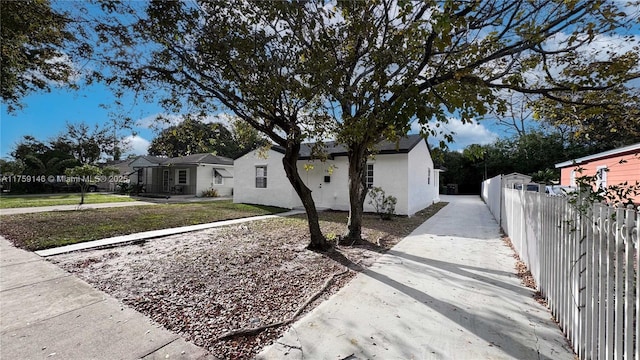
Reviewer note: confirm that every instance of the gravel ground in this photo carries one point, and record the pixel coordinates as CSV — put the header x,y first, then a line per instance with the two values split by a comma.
x,y
204,284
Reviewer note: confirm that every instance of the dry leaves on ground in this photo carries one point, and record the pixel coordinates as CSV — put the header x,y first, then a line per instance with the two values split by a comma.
x,y
203,284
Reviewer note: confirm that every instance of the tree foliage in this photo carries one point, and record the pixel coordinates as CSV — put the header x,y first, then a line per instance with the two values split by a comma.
x,y
33,49
534,154
84,175
80,144
384,64
85,143
193,136
366,70
221,54
603,121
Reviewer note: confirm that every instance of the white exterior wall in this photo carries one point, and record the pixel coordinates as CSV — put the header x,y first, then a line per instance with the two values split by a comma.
x,y
278,192
390,173
423,180
401,175
332,195
205,180
335,194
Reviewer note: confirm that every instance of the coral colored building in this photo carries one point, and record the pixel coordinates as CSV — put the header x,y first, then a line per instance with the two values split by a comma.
x,y
611,167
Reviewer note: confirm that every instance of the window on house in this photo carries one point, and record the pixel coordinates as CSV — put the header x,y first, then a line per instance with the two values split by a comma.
x,y
429,176
601,177
572,178
369,177
261,177
183,177
217,179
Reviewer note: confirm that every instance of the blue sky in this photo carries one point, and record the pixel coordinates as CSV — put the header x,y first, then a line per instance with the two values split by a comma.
x,y
45,115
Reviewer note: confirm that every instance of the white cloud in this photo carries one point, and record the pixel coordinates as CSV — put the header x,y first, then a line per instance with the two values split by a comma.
x,y
162,121
135,144
463,134
159,121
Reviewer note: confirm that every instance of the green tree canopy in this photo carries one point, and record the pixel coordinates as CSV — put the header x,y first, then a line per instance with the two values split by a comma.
x,y
193,136
33,49
365,70
602,121
85,143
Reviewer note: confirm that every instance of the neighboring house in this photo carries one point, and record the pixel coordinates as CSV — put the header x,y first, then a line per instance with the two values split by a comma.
x,y
123,176
514,179
404,170
185,175
611,167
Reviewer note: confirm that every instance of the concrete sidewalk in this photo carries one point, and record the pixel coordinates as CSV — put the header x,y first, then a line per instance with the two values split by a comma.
x,y
447,291
29,210
48,313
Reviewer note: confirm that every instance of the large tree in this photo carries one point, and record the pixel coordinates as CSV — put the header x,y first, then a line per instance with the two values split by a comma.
x,y
393,62
84,142
215,54
33,56
291,69
193,136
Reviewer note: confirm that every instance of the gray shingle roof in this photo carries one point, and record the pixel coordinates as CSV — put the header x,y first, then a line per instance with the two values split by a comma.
x,y
333,149
198,159
192,159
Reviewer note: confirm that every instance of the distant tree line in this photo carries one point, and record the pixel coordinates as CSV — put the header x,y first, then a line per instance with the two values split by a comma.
x,y
535,152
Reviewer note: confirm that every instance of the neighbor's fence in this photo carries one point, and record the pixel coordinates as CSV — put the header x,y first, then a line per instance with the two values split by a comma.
x,y
585,265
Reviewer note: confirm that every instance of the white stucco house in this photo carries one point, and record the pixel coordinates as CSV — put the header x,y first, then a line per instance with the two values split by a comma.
x,y
185,175
404,170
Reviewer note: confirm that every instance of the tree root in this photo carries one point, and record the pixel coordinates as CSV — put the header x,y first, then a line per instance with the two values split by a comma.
x,y
253,331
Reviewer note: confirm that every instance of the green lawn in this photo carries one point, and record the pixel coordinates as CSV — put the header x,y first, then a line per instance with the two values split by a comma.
x,y
52,229
17,201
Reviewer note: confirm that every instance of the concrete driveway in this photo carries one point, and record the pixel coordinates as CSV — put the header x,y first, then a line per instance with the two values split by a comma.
x,y
447,291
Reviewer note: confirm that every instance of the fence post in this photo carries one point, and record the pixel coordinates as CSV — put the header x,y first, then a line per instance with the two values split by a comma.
x,y
636,234
628,286
611,249
619,285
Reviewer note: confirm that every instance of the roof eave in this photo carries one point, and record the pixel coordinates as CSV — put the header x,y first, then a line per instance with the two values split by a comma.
x,y
604,154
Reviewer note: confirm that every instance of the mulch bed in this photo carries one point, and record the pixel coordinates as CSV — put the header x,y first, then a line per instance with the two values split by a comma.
x,y
204,284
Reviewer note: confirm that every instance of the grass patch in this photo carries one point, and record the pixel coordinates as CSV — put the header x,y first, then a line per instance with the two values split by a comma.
x,y
18,201
52,229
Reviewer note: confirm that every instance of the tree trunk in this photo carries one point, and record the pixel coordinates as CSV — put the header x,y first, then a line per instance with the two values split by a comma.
x,y
82,191
357,192
290,162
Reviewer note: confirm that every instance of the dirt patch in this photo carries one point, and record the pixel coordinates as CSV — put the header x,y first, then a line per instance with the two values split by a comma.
x,y
523,272
204,284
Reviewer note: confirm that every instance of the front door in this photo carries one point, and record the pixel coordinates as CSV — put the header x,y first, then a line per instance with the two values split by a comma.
x,y
165,181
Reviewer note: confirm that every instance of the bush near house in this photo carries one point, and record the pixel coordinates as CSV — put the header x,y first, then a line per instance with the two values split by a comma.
x,y
385,205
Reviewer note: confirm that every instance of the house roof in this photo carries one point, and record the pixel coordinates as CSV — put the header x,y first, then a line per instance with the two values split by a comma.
x,y
517,175
333,149
122,166
602,155
193,159
198,159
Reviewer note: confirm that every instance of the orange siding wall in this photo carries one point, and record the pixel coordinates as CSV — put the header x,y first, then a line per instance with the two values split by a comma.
x,y
618,173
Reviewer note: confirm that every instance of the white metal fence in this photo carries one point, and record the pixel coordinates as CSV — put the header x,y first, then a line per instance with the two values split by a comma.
x,y
585,264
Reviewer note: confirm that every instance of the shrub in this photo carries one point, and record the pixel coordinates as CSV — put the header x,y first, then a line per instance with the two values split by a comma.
x,y
385,205
210,193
